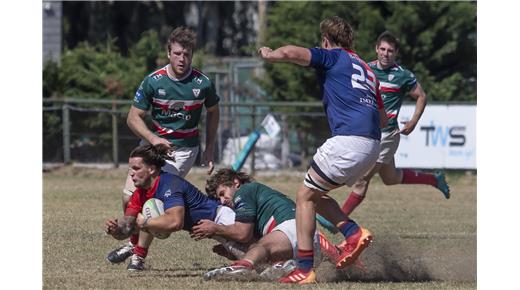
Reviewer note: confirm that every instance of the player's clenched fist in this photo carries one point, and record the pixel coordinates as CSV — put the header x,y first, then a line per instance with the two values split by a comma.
x,y
264,51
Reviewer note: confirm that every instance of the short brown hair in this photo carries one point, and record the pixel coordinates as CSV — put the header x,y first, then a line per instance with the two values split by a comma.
x,y
183,36
388,37
153,155
338,31
225,176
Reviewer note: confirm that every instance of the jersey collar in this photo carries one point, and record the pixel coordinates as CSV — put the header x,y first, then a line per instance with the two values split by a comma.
x,y
168,72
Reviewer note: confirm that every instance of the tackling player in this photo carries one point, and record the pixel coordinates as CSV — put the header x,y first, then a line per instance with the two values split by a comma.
x,y
260,212
175,95
395,83
355,114
184,204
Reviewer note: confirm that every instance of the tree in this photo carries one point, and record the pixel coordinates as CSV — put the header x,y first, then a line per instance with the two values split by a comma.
x,y
438,43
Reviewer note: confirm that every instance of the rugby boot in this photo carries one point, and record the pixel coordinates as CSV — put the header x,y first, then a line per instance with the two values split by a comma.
x,y
329,250
442,185
353,246
278,270
299,277
136,263
233,272
120,254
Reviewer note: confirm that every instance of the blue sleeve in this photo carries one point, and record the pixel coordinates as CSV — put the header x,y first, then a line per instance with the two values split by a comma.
x,y
323,58
174,195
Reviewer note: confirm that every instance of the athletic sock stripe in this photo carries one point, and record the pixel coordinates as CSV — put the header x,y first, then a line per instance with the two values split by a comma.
x,y
321,174
308,178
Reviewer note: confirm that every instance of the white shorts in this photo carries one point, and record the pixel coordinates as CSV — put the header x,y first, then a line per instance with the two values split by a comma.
x,y
184,160
288,227
343,160
389,143
225,216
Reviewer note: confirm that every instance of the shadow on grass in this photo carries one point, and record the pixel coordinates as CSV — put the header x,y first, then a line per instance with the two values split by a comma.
x,y
176,272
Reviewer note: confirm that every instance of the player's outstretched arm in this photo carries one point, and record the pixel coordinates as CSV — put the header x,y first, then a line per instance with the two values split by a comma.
x,y
289,53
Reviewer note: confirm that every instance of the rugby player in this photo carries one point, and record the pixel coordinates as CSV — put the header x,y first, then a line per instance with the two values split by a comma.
x,y
260,212
355,113
395,83
175,95
184,205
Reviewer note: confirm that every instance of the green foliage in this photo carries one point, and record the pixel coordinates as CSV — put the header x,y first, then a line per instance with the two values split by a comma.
x,y
438,43
97,71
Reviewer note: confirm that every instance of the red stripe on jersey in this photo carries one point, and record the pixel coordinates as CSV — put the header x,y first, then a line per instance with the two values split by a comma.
x,y
390,116
193,107
380,104
389,90
183,134
139,197
161,71
164,107
271,227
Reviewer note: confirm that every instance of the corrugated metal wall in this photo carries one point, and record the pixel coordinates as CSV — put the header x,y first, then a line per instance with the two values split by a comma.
x,y
52,14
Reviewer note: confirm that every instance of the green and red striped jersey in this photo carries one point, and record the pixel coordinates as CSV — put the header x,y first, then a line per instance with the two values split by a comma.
x,y
176,104
394,83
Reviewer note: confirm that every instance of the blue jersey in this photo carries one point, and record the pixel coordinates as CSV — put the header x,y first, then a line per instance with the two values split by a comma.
x,y
349,92
173,190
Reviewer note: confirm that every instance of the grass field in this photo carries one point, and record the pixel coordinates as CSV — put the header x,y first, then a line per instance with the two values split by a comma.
x,y
422,241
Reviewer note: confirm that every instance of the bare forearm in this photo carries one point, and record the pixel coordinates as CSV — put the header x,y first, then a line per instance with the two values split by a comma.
x,y
289,53
162,224
233,233
125,228
213,117
136,123
419,108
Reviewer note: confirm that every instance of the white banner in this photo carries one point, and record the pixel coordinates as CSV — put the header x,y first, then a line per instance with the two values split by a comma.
x,y
445,137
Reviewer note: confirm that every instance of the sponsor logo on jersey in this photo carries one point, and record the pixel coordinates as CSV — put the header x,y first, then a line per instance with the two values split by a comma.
x,y
168,193
157,77
196,92
161,92
178,106
391,77
198,81
138,96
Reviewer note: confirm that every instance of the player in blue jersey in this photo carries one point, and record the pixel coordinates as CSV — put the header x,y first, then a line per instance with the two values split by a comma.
x,y
184,204
355,114
175,96
396,83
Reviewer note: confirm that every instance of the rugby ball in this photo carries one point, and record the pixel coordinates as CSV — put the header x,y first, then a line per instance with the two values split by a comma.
x,y
153,208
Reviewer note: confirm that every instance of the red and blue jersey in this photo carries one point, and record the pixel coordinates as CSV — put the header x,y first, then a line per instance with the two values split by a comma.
x,y
350,92
173,191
